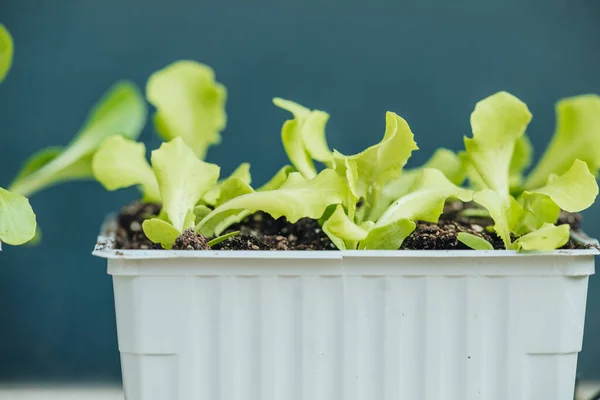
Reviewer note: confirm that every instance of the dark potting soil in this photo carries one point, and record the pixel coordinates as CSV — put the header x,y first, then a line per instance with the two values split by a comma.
x,y
277,234
260,231
129,231
444,234
190,240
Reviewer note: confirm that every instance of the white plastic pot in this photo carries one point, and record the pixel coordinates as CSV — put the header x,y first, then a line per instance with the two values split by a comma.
x,y
389,325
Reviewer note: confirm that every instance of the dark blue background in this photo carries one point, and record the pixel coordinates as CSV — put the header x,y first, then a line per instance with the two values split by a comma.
x,y
429,61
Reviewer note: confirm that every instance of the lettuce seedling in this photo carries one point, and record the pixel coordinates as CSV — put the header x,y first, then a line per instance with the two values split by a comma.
x,y
121,110
344,193
499,123
294,192
121,163
189,104
359,226
183,180
177,179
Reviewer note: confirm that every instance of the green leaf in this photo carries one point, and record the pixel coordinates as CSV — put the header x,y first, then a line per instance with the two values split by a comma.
x,y
277,180
200,212
573,191
474,242
521,160
449,163
231,188
498,122
304,137
367,172
474,179
120,163
504,210
294,148
38,160
242,172
160,232
222,238
538,209
182,178
296,198
234,187
215,225
342,231
189,104
548,237
351,176
576,137
37,238
389,236
189,221
17,220
425,200
340,225
121,110
442,159
475,213
382,162
6,52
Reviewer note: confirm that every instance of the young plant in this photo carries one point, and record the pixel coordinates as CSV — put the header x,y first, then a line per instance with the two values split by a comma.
x,y
359,226
177,179
183,180
294,192
190,105
527,221
344,193
122,163
185,186
121,110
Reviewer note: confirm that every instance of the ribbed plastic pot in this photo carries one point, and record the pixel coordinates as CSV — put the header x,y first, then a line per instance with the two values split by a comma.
x,y
365,325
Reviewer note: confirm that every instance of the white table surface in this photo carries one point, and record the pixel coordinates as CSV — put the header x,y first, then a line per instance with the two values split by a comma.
x,y
95,392
60,392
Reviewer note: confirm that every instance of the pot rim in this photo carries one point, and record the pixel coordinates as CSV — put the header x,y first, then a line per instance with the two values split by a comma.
x,y
105,249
